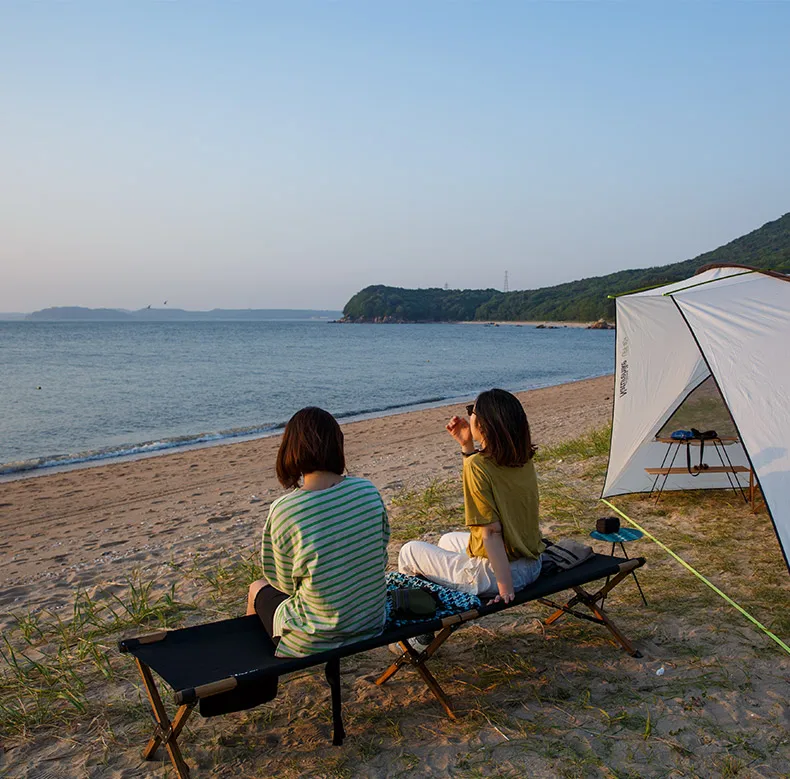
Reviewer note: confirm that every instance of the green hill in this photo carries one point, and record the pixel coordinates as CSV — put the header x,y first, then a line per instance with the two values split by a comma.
x,y
584,300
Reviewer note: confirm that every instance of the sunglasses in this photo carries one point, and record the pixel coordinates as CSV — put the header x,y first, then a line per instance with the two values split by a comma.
x,y
470,409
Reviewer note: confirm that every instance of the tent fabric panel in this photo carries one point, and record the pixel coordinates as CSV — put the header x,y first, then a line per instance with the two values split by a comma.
x,y
657,364
714,274
744,337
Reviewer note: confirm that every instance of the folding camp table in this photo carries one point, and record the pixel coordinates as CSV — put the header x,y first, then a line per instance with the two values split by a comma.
x,y
727,467
230,665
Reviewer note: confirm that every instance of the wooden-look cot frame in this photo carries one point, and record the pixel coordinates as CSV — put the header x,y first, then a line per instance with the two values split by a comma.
x,y
593,601
166,732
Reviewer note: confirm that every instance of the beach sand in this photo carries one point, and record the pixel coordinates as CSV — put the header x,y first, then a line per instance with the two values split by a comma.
x,y
709,697
533,323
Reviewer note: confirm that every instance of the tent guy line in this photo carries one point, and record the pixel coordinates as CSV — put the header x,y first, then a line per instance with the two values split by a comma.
x,y
700,577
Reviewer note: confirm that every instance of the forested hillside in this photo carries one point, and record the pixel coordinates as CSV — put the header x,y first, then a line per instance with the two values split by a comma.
x,y
584,300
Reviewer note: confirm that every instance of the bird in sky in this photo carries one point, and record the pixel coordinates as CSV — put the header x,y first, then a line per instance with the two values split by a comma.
x,y
165,303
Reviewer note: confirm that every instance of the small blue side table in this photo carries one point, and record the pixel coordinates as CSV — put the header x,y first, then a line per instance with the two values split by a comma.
x,y
620,537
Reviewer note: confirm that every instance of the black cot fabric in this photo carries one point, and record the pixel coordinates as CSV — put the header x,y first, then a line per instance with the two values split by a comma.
x,y
189,657
241,648
596,566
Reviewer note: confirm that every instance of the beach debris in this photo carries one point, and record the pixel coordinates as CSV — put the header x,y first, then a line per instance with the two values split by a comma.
x,y
660,671
255,499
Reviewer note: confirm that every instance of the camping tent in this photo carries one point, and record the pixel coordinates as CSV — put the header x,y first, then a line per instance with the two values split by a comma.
x,y
727,324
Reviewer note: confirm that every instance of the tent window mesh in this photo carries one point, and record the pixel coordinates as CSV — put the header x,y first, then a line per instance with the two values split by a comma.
x,y
703,409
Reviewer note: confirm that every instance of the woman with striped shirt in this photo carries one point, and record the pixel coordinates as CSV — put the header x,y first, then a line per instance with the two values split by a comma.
x,y
324,548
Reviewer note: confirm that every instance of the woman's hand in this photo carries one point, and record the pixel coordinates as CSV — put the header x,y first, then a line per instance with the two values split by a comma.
x,y
505,595
459,429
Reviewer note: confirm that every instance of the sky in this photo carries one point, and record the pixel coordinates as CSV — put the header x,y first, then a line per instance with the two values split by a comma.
x,y
288,154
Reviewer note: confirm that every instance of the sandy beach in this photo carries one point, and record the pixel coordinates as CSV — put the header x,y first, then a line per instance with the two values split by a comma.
x,y
533,323
708,697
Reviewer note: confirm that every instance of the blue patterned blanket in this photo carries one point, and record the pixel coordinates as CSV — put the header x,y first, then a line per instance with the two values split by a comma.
x,y
452,601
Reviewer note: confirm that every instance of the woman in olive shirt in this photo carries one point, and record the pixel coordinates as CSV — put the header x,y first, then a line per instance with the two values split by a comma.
x,y
501,552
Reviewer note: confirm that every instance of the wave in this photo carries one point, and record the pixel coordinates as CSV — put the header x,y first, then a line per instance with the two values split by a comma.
x,y
394,407
129,450
180,442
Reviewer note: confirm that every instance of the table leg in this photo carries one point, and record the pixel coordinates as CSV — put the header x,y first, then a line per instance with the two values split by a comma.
x,y
633,573
611,554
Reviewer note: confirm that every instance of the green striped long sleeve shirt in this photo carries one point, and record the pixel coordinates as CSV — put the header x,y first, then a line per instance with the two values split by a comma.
x,y
327,550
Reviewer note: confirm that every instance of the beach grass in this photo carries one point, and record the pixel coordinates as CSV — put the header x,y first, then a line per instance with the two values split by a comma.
x,y
707,699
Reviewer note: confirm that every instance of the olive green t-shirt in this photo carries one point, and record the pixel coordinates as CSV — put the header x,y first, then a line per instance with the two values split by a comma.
x,y
509,495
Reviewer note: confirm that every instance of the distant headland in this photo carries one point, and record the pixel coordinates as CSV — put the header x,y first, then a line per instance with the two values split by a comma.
x,y
81,314
585,300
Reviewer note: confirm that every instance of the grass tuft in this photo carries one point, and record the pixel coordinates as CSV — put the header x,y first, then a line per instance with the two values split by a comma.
x,y
594,443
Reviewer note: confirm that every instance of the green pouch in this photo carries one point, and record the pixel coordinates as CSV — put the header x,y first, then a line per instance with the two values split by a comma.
x,y
413,603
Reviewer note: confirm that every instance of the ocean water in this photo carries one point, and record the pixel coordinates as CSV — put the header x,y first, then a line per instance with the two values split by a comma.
x,y
78,392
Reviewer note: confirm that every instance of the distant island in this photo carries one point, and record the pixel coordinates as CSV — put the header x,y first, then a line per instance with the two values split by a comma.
x,y
576,301
81,314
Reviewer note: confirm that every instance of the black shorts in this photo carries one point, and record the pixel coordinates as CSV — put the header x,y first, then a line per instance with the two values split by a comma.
x,y
266,602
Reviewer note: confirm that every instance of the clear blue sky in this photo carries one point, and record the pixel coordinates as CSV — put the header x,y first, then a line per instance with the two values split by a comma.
x,y
253,154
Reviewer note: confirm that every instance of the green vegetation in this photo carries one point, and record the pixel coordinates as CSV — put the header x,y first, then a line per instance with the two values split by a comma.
x,y
417,305
583,301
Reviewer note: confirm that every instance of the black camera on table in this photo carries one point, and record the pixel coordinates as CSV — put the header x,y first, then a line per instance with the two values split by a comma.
x,y
608,525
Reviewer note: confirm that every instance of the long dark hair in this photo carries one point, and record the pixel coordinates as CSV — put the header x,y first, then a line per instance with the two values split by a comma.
x,y
312,441
503,423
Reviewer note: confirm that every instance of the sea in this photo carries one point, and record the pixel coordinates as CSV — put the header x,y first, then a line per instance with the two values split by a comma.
x,y
77,393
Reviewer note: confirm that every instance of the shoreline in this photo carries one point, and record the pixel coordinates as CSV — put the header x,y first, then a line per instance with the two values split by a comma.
x,y
542,323
79,526
133,452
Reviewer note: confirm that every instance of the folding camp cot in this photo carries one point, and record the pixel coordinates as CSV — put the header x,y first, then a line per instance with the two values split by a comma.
x,y
230,665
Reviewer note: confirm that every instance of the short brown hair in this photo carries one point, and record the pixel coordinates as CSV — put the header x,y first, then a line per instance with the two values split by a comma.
x,y
312,441
503,423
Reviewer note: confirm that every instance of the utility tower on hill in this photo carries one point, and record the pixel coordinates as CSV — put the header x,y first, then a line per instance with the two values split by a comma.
x,y
506,287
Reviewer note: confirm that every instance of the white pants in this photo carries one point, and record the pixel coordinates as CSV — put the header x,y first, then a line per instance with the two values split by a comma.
x,y
449,565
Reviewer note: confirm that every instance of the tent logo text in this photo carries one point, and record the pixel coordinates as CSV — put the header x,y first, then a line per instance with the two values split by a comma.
x,y
623,378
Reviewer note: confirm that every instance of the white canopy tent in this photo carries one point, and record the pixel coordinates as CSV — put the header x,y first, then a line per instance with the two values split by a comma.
x,y
730,323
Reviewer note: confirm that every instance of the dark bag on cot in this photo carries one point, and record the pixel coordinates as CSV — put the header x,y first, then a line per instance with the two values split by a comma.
x,y
563,555
608,525
413,603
